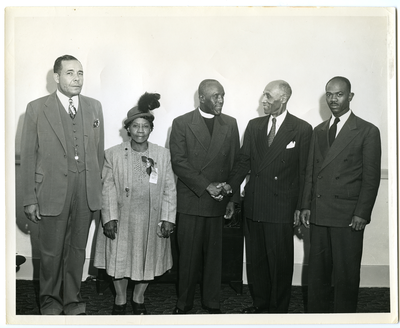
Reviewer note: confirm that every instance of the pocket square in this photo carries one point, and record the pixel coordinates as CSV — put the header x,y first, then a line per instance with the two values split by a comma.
x,y
291,144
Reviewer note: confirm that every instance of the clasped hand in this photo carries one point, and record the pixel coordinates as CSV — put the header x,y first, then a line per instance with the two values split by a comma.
x,y
218,190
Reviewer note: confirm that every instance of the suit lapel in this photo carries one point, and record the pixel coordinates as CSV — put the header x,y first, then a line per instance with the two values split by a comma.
x,y
52,112
348,132
262,140
200,130
323,138
286,133
87,118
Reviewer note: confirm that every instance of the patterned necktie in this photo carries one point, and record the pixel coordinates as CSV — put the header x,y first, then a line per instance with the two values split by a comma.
x,y
332,131
71,108
271,134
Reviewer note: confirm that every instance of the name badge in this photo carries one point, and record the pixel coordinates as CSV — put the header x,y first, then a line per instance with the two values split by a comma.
x,y
154,175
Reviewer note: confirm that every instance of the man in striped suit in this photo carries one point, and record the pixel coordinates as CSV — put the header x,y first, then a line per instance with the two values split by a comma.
x,y
275,150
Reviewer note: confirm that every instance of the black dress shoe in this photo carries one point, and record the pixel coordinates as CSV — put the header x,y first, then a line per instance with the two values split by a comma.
x,y
119,309
212,310
254,309
178,311
138,308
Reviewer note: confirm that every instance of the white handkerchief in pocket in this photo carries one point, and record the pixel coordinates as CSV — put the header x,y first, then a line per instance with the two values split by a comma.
x,y
291,144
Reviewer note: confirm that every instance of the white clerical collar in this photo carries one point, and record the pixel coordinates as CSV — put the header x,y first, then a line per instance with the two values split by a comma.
x,y
206,115
65,100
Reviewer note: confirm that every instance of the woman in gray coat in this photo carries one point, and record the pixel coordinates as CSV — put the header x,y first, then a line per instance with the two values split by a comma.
x,y
138,210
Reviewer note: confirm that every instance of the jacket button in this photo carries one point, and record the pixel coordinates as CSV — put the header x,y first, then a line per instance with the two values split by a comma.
x,y
319,177
318,196
275,178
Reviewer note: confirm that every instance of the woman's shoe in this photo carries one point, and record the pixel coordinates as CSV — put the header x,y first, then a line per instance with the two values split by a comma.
x,y
138,308
119,309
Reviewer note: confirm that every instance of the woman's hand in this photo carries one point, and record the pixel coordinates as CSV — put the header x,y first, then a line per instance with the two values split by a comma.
x,y
167,228
110,229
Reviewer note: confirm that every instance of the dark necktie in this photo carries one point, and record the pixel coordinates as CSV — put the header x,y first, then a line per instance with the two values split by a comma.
x,y
332,131
71,108
271,134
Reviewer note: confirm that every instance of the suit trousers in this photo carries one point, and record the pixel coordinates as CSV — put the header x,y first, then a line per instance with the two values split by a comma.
x,y
334,251
63,241
270,250
200,252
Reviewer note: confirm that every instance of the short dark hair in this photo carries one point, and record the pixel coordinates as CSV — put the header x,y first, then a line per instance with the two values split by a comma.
x,y
58,63
203,84
344,79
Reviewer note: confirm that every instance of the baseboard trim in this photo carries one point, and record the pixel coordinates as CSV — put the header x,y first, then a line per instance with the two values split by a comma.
x,y
371,275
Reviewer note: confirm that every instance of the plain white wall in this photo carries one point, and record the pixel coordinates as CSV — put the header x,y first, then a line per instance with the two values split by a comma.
x,y
126,52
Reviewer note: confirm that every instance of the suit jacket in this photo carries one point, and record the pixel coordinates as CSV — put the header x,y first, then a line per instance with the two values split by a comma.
x,y
274,190
199,159
343,180
44,164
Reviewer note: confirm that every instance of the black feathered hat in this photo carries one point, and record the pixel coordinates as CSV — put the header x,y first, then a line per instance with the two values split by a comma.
x,y
147,102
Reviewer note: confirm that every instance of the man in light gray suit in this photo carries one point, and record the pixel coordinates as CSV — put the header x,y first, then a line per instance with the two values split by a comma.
x,y
62,155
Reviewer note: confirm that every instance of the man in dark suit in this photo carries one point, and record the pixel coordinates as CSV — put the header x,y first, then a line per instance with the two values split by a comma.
x,y
342,180
62,155
274,151
204,144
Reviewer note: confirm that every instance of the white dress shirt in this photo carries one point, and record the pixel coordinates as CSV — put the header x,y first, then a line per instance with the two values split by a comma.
x,y
279,121
65,101
342,121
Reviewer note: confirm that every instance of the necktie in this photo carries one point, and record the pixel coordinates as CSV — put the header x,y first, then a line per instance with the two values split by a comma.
x,y
271,134
332,131
71,108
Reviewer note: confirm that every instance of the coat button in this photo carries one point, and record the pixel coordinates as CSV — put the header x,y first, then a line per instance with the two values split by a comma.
x,y
318,196
275,178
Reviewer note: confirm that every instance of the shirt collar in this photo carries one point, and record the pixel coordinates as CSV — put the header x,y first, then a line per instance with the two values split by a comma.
x,y
206,115
343,118
65,100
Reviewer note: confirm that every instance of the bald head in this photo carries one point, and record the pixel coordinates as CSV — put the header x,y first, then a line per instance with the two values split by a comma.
x,y
275,97
211,96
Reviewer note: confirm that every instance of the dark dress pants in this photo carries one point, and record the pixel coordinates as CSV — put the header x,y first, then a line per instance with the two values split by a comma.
x,y
200,251
270,246
334,251
63,241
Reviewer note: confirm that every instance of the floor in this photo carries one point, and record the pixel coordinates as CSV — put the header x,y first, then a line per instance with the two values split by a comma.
x,y
160,298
